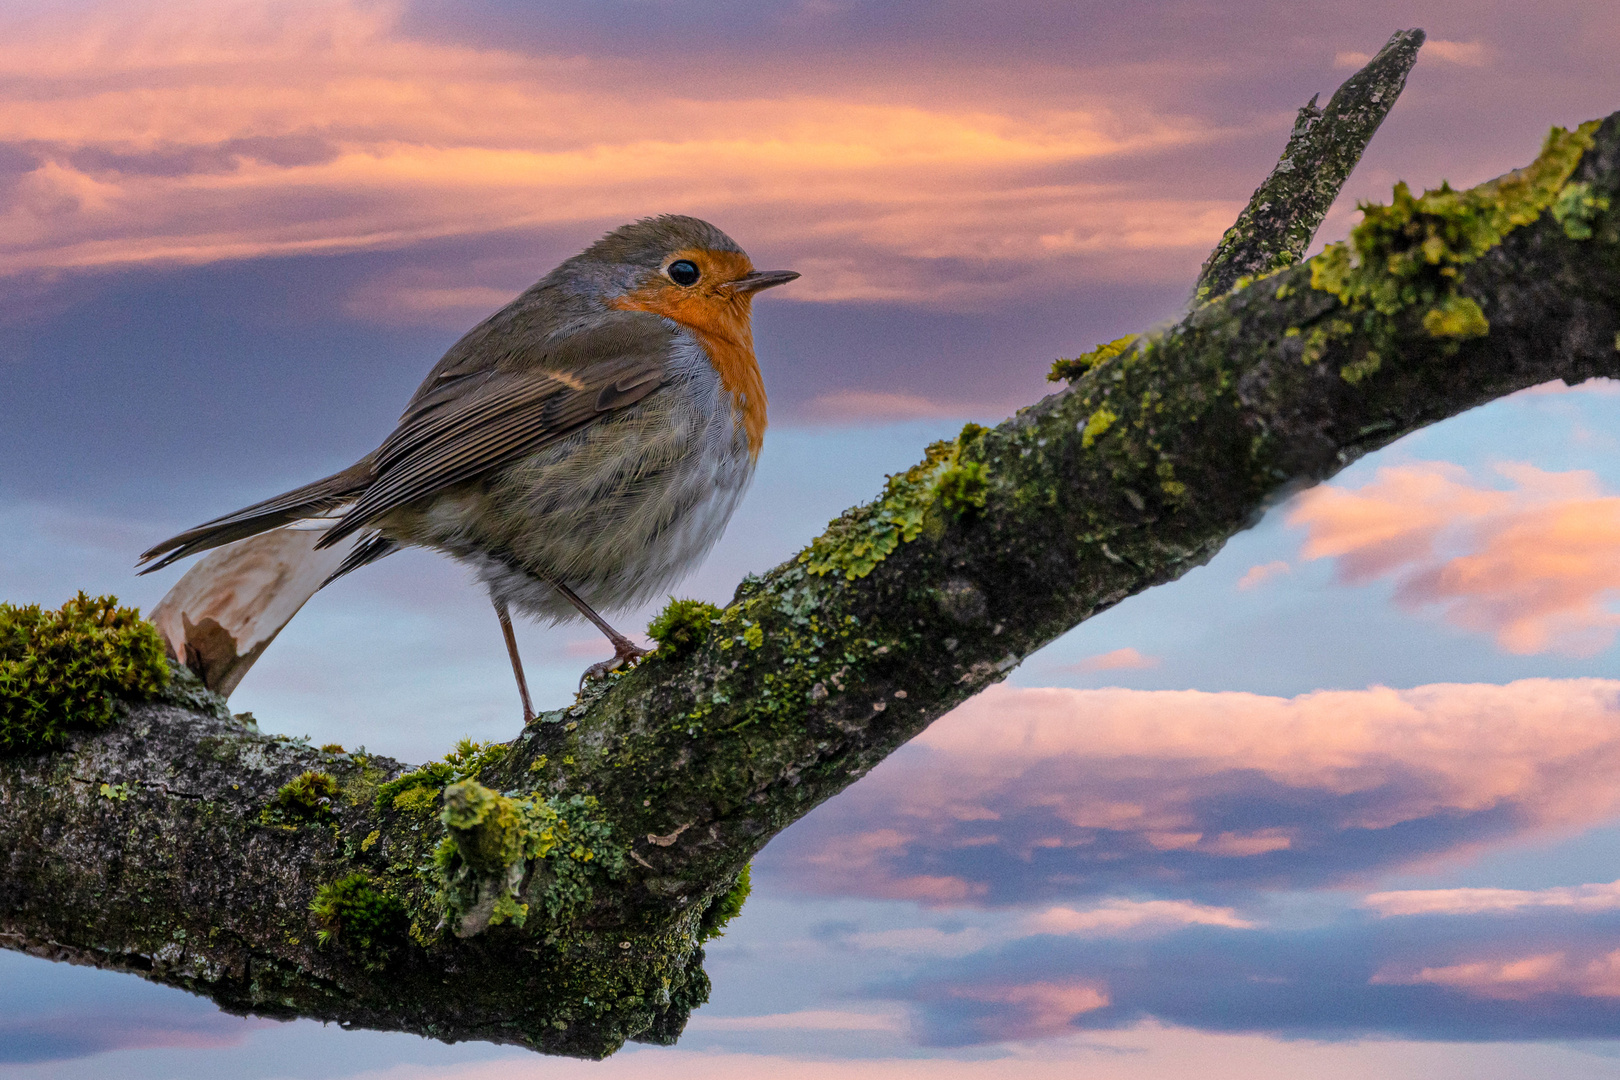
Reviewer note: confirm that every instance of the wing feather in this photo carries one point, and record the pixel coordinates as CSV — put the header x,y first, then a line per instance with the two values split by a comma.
x,y
505,415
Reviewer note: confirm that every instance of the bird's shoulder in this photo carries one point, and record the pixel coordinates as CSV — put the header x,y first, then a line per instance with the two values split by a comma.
x,y
546,338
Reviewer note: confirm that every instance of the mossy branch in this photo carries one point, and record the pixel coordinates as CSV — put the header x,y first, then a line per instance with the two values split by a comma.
x,y
555,891
1284,213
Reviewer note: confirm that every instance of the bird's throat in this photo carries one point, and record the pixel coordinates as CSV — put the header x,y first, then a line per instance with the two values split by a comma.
x,y
722,325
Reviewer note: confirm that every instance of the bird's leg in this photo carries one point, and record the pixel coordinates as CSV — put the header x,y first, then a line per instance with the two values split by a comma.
x,y
624,650
517,664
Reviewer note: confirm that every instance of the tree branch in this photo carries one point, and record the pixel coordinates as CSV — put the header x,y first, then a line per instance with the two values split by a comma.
x,y
556,891
1284,213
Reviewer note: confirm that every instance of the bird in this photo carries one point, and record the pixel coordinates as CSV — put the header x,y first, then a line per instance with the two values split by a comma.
x,y
580,449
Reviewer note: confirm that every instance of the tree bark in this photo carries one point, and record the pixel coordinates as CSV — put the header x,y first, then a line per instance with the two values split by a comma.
x,y
1283,215
556,894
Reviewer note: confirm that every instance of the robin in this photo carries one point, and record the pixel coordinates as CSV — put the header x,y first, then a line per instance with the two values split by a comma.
x,y
582,448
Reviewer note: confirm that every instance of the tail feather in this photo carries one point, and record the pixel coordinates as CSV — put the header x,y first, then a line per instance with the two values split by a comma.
x,y
311,500
367,551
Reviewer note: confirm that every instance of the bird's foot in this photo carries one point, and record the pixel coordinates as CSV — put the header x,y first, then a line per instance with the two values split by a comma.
x,y
625,652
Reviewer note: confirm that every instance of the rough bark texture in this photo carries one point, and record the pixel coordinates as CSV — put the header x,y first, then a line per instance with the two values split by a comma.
x,y
556,892
1283,215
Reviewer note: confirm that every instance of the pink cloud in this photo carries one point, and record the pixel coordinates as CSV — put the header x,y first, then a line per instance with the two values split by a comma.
x,y
1534,565
1118,660
80,1034
1477,901
1035,1010
861,406
1021,793
1119,916
1461,53
804,1020
1259,575
1519,978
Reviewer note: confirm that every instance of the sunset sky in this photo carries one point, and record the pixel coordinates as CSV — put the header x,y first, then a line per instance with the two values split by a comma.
x,y
1343,803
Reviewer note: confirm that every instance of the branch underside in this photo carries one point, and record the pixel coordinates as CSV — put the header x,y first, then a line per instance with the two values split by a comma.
x,y
557,894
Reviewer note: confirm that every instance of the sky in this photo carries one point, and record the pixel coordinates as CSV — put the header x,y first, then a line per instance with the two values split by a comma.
x,y
1340,803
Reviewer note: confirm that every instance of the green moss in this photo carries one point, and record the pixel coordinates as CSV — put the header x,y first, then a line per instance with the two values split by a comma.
x,y
304,800
963,488
418,790
1407,256
727,906
367,923
65,670
866,535
682,627
863,537
1063,369
502,856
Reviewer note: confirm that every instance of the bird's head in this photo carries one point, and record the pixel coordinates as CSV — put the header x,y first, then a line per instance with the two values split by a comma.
x,y
683,269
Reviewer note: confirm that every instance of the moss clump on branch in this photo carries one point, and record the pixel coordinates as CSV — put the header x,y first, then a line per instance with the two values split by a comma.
x,y
65,670
727,906
1073,368
502,856
366,922
682,627
304,800
418,790
1408,255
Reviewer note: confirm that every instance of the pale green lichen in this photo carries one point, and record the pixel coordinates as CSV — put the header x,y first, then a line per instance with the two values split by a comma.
x,y
502,856
1408,255
1576,208
863,537
1073,368
1456,317
1097,426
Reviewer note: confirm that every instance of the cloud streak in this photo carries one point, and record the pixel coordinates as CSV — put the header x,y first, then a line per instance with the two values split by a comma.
x,y
194,133
1029,793
1535,565
1477,901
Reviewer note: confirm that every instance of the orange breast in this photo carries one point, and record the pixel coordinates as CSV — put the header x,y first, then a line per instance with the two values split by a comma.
x,y
722,323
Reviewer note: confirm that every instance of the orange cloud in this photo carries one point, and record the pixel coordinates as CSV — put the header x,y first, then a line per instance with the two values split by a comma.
x,y
195,132
1534,565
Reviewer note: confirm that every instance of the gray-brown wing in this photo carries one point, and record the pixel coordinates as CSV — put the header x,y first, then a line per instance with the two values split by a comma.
x,y
505,416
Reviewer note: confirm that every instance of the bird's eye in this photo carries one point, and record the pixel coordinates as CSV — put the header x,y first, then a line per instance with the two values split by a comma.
x,y
683,272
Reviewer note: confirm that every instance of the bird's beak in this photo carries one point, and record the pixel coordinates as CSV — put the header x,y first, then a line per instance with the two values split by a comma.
x,y
762,279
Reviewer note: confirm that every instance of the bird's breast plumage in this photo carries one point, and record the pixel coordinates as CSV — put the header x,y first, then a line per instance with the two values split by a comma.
x,y
618,510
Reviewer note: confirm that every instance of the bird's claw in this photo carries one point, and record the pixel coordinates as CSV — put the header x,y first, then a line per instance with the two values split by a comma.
x,y
624,652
